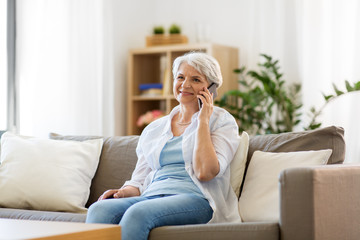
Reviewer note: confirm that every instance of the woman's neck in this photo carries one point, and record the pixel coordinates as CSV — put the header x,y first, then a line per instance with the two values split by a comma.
x,y
185,114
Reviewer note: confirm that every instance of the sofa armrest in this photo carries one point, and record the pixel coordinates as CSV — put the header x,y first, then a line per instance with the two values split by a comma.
x,y
320,202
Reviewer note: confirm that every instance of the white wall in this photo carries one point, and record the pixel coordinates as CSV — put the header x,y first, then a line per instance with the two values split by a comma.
x,y
238,23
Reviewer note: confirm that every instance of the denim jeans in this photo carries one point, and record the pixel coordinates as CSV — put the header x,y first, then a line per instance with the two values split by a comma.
x,y
138,215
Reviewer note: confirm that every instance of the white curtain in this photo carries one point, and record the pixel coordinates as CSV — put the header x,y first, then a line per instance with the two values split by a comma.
x,y
64,67
329,54
317,43
330,46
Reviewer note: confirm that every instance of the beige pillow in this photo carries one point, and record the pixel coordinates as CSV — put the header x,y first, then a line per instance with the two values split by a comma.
x,y
44,174
237,165
117,162
259,199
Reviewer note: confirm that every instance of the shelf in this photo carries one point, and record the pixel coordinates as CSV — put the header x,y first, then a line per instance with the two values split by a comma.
x,y
152,98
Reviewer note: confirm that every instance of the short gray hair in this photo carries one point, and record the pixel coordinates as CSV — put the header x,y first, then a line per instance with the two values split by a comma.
x,y
203,63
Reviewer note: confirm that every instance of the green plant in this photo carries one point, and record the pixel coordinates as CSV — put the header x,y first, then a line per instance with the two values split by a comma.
x,y
158,30
174,29
264,105
314,114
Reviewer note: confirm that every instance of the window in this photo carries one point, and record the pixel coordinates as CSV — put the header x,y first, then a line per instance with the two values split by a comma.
x,y
7,65
3,66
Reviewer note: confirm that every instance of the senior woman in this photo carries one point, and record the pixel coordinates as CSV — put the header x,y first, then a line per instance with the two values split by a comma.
x,y
182,175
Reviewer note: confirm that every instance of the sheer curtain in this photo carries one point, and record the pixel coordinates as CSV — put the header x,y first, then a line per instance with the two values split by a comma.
x,y
317,43
330,54
64,67
3,66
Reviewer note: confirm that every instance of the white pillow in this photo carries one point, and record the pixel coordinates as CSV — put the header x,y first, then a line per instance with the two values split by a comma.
x,y
259,199
45,174
237,165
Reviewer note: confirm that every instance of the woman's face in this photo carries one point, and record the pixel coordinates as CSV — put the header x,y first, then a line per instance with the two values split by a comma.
x,y
187,84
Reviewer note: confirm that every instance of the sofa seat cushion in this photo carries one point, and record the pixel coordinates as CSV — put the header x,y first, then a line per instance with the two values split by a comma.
x,y
223,231
41,215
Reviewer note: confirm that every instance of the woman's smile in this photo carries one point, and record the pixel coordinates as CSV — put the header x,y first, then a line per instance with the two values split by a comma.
x,y
186,93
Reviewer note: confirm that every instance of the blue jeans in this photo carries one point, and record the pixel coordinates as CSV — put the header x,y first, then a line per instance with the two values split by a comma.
x,y
138,215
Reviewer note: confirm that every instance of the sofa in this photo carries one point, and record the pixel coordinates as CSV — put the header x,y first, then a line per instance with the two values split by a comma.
x,y
317,202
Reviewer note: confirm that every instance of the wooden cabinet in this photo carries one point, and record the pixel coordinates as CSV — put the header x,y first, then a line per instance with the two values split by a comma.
x,y
154,65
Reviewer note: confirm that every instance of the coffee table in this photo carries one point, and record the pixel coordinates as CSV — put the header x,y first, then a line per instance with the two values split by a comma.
x,y
29,229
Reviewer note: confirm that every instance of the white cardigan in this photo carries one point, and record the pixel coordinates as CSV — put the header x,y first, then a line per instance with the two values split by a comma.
x,y
225,137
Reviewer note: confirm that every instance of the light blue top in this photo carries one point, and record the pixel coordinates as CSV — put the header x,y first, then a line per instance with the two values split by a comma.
x,y
172,178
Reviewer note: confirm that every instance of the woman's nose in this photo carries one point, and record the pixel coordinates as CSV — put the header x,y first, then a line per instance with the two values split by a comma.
x,y
186,83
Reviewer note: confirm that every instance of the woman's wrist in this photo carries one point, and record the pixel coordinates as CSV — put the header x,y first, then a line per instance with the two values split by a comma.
x,y
120,194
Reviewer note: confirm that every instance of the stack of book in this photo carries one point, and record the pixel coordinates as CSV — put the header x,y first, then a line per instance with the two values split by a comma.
x,y
151,89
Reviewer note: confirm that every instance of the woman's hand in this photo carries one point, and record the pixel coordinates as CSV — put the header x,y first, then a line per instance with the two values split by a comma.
x,y
207,105
111,193
128,191
205,164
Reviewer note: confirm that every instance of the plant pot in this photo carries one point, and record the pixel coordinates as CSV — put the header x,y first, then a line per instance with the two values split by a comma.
x,y
161,39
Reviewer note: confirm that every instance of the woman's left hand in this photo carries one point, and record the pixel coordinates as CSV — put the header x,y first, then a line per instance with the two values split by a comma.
x,y
207,104
205,163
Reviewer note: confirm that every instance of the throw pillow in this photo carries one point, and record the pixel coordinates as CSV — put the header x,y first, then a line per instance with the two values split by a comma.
x,y
44,174
117,162
237,165
259,199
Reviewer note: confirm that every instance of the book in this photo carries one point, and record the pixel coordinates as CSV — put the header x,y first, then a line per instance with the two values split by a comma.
x,y
147,86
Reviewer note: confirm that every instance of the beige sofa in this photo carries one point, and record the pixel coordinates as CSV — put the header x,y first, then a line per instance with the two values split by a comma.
x,y
318,202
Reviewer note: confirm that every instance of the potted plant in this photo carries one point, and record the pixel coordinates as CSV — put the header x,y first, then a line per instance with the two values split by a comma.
x,y
265,104
158,30
175,29
159,38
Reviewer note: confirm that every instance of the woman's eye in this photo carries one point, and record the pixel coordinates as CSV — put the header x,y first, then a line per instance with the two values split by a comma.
x,y
180,77
196,80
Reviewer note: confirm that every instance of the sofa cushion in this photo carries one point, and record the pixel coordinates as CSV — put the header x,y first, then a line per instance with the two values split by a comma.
x,y
117,162
41,215
223,231
259,199
44,174
324,138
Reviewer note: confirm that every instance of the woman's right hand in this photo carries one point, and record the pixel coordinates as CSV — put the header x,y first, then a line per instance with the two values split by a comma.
x,y
112,193
127,191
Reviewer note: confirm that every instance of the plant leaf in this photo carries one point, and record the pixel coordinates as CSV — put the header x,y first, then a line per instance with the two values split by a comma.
x,y
349,88
337,91
239,70
328,97
357,85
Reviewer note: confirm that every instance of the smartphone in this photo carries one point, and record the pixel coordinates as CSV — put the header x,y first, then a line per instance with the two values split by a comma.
x,y
212,89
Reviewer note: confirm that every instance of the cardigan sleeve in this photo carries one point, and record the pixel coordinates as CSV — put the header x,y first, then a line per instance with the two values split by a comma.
x,y
141,172
225,137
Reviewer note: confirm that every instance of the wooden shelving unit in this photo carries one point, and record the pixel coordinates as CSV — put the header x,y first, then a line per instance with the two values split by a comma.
x,y
154,65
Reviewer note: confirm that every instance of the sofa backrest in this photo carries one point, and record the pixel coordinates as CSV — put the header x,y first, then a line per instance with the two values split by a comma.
x,y
117,162
118,157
